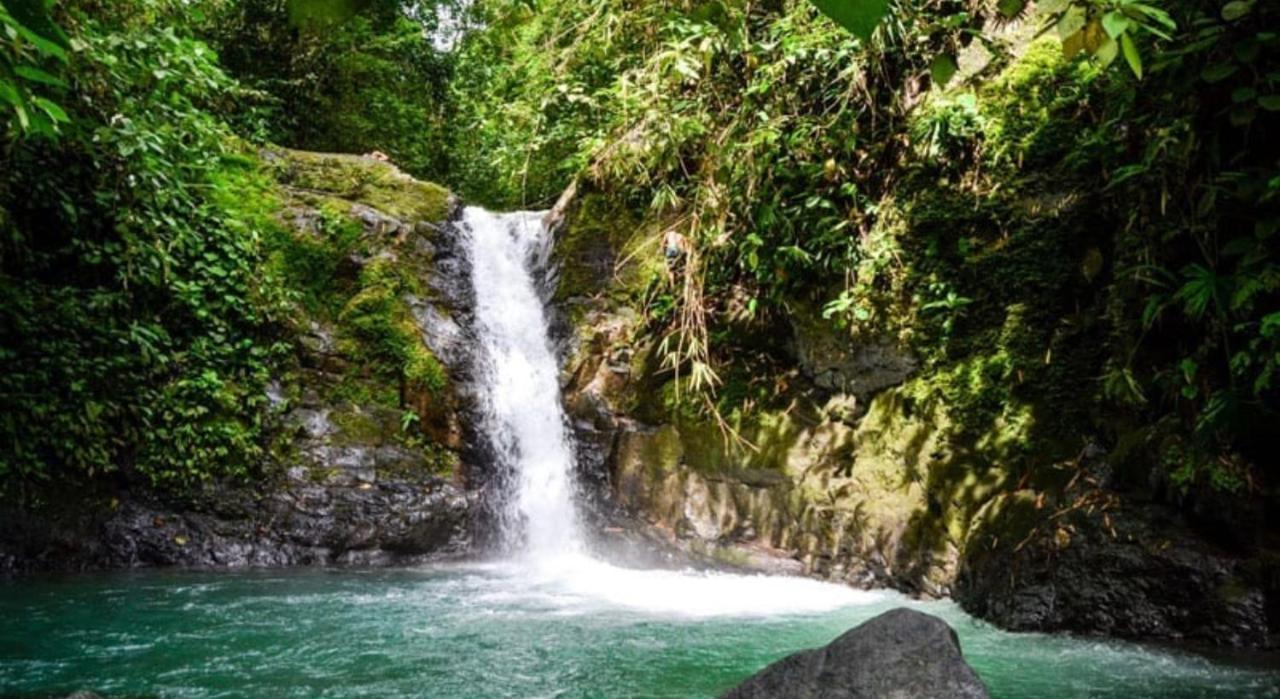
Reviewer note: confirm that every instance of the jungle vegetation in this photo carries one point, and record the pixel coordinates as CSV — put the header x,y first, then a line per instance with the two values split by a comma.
x,y
1074,201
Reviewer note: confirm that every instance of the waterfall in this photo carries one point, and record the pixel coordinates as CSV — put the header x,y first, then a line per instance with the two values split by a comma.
x,y
519,387
520,380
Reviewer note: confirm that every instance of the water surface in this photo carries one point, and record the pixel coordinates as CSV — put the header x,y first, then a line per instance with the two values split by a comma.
x,y
504,630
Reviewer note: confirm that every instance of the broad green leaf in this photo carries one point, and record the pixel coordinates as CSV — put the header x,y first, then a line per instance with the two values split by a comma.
x,y
1189,368
1072,21
858,16
1115,24
24,121
53,110
1131,54
42,44
1236,9
1107,52
1218,72
943,69
9,93
1155,13
1243,94
1271,103
1242,114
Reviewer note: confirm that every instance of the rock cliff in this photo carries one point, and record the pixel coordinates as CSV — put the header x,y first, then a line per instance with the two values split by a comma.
x,y
372,444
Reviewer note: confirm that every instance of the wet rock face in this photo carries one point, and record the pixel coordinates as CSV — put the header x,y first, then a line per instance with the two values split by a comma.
x,y
835,361
899,654
867,476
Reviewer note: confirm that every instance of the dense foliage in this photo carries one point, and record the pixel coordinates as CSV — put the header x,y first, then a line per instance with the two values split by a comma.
x,y
1084,224
135,328
147,283
792,154
343,77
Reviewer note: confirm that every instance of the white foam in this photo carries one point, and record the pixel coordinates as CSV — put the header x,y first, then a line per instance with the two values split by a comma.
x,y
579,584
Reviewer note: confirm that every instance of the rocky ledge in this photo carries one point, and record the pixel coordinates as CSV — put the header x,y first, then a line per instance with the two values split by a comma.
x,y
901,653
303,523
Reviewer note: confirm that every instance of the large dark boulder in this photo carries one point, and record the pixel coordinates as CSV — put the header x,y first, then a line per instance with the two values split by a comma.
x,y
1133,571
901,653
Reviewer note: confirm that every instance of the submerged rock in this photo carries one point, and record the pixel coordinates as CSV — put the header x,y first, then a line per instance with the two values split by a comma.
x,y
901,653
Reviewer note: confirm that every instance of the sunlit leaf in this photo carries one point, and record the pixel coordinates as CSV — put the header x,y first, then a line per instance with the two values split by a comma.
x,y
1131,55
1108,51
1072,21
36,75
53,110
1115,24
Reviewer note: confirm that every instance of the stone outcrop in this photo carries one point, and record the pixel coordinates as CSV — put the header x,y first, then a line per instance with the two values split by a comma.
x,y
1087,565
301,523
835,361
833,484
899,654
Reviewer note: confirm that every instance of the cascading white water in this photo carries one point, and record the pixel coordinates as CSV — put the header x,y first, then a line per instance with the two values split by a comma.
x,y
520,379
526,425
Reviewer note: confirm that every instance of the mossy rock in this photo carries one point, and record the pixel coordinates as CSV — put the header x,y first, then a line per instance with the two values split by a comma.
x,y
654,453
363,425
603,248
379,185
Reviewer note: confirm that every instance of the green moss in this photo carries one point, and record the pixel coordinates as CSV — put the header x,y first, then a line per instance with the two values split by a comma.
x,y
359,284
310,261
603,248
1028,111
355,388
663,452
380,320
322,474
730,556
1004,520
433,460
364,180
358,425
